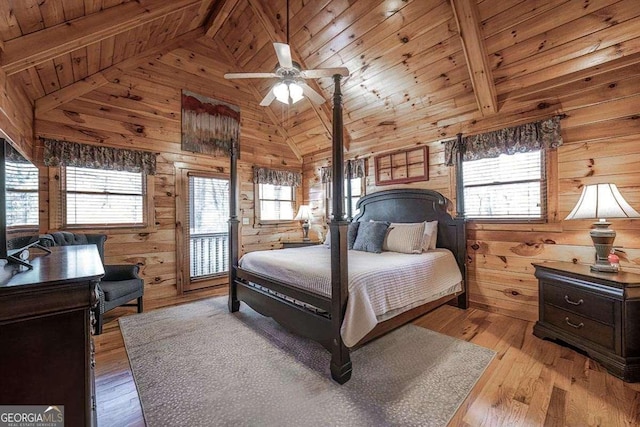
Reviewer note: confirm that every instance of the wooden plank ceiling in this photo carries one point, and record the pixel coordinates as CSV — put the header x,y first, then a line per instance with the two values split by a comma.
x,y
421,70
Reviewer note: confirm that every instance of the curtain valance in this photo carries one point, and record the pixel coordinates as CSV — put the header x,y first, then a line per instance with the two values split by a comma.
x,y
276,177
544,134
65,153
357,170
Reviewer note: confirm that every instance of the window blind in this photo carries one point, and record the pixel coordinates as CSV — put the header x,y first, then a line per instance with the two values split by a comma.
x,y
208,212
103,197
276,202
21,183
505,187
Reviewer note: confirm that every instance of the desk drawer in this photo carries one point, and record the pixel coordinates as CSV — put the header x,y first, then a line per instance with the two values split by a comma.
x,y
580,302
580,326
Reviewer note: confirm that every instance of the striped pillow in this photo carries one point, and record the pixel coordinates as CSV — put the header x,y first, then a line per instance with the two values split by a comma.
x,y
404,238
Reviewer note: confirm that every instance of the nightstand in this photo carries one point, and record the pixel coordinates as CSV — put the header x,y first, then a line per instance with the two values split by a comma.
x,y
298,244
598,313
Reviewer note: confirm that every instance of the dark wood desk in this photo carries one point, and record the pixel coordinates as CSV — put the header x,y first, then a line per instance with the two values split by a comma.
x,y
46,350
599,313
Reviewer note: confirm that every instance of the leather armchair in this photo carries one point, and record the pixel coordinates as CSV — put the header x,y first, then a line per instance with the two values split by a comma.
x,y
120,284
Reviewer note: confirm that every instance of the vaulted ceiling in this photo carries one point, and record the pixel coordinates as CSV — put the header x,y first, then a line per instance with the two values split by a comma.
x,y
421,70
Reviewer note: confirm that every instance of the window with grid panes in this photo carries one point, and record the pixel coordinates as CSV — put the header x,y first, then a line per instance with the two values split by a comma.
x,y
97,197
508,187
276,202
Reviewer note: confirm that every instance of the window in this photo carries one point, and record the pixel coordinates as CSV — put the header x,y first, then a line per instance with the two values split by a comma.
x,y
208,227
97,197
22,194
357,191
505,187
275,202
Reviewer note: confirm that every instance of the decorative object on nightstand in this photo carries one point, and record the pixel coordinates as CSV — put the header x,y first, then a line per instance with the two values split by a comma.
x,y
304,216
600,201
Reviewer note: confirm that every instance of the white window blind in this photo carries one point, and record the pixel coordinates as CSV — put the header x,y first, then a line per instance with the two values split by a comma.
x,y
103,197
505,187
21,183
277,202
208,227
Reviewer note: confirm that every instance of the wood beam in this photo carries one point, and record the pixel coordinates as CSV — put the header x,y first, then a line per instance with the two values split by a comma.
x,y
256,94
94,81
34,48
322,111
475,52
219,15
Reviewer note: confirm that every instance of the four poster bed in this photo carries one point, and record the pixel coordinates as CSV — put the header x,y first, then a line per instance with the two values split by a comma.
x,y
319,313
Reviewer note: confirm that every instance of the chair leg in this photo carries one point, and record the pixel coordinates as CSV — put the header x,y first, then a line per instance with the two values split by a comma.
x,y
140,306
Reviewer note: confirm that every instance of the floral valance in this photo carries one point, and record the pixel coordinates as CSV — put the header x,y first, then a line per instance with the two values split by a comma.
x,y
65,153
276,177
357,170
544,134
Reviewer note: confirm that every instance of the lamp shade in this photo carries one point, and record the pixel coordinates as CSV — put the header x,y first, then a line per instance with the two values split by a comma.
x,y
304,213
602,201
288,92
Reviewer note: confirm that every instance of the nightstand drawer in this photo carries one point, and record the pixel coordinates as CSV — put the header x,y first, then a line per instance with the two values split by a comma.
x,y
580,326
580,302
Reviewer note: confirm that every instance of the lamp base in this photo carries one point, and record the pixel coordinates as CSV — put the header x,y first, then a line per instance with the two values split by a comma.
x,y
605,268
603,237
305,231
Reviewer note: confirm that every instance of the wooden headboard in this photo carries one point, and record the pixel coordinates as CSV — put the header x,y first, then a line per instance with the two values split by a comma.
x,y
415,205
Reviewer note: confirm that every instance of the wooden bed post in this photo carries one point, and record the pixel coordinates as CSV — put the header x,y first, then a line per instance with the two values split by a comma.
x,y
234,229
340,360
463,299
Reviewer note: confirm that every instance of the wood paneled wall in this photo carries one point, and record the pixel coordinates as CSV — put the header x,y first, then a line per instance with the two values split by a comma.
x,y
601,144
141,110
16,115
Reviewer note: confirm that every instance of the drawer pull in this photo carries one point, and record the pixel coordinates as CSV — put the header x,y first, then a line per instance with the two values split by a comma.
x,y
580,301
573,325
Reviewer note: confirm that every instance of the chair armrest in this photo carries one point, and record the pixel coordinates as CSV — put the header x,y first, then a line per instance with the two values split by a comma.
x,y
121,272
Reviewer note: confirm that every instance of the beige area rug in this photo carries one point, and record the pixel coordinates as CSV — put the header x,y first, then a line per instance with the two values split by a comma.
x,y
199,365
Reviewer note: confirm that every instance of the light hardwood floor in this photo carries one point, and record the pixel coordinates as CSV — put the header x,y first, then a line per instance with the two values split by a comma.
x,y
530,382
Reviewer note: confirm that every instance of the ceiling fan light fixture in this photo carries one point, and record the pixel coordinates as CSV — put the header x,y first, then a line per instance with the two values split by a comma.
x,y
288,92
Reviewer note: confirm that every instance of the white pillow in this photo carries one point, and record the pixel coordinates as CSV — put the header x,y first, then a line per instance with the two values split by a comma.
x,y
405,238
430,237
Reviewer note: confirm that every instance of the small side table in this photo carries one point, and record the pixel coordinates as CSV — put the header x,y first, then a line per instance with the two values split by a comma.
x,y
599,313
298,244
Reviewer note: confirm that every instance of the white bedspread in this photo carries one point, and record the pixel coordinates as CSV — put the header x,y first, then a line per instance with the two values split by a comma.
x,y
381,286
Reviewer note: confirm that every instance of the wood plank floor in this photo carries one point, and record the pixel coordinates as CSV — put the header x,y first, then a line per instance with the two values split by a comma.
x,y
531,382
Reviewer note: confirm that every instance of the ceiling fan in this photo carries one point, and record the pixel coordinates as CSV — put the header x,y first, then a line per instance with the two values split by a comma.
x,y
291,87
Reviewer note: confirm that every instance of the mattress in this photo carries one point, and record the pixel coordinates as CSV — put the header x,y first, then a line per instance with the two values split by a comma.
x,y
381,286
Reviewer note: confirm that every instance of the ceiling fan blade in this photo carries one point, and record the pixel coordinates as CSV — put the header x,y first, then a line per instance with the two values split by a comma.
x,y
283,52
249,75
324,72
267,100
314,96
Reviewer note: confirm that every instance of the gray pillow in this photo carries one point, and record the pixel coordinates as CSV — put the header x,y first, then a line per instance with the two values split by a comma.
x,y
352,233
371,236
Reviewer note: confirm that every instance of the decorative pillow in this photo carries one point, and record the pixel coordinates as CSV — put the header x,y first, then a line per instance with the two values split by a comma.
x,y
352,232
430,237
405,238
371,236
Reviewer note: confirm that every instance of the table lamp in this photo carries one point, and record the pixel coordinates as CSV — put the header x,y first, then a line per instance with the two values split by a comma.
x,y
601,201
304,215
